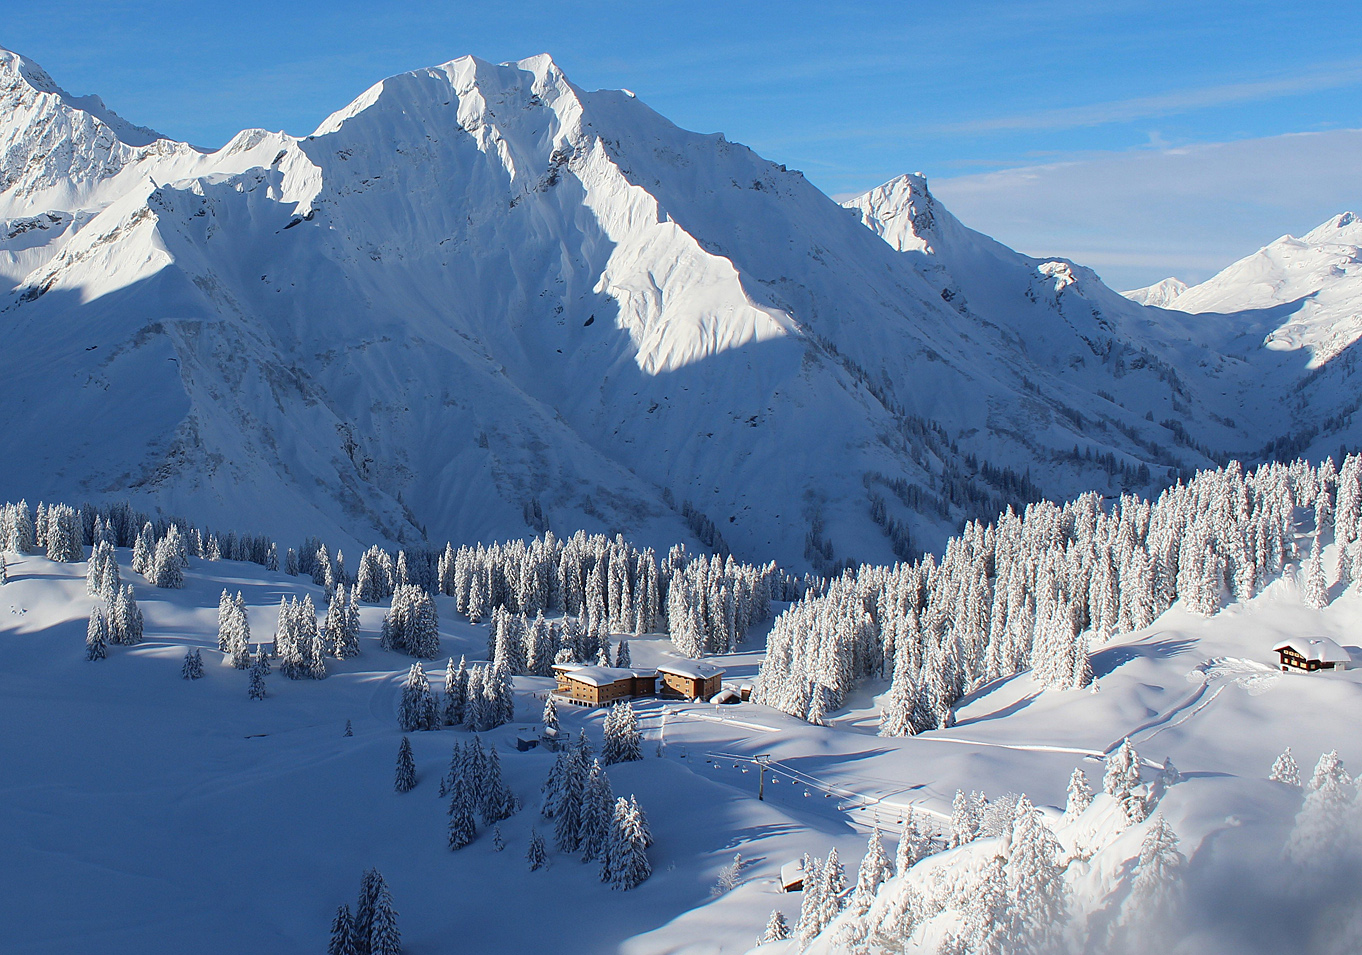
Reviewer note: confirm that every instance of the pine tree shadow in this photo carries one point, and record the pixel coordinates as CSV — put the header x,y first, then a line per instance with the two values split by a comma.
x,y
1110,659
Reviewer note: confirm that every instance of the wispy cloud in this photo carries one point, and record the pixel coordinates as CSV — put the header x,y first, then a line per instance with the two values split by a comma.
x,y
1335,76
1140,215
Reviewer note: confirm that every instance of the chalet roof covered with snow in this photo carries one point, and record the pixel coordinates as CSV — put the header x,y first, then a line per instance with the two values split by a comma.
x,y
602,676
691,669
1319,649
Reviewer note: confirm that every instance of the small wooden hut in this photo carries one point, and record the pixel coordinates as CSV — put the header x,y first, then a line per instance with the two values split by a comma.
x,y
1311,654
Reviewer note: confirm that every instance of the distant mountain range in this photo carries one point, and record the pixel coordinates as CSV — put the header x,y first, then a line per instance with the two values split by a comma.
x,y
480,301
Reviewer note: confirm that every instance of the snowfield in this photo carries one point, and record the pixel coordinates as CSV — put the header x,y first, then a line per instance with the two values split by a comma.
x,y
142,808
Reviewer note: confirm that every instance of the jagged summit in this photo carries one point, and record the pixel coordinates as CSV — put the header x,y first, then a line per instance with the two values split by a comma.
x,y
1345,227
16,68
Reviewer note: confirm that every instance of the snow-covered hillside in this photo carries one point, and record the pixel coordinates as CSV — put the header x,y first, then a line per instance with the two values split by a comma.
x,y
169,808
1312,285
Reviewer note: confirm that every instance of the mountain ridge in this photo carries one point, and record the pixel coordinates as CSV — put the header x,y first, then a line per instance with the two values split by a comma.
x,y
477,294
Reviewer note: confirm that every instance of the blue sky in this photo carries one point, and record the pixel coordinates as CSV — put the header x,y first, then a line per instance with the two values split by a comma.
x,y
851,93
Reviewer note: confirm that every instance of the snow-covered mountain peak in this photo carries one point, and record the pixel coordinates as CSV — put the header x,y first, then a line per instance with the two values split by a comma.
x,y
1160,294
902,211
1343,229
69,153
477,85
17,69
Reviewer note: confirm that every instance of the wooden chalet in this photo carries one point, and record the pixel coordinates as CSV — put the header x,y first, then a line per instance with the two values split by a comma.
x,y
601,686
690,679
1311,654
792,877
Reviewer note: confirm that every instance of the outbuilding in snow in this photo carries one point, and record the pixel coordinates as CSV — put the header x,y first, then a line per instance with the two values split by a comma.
x,y
792,877
1312,653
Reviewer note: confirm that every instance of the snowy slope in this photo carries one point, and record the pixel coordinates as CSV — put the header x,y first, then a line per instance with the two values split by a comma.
x,y
1095,341
479,288
171,808
1318,278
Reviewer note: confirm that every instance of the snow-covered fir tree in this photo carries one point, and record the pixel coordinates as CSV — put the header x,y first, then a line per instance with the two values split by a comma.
x,y
342,933
411,625
1322,821
125,622
551,792
1285,770
405,779
1314,584
462,827
169,560
1153,896
376,579
597,813
537,856
340,629
417,711
496,801
97,636
455,694
384,936
1080,794
915,842
256,689
297,641
239,634
64,534
777,928
322,574
567,803
824,885
625,863
192,668
875,868
1122,780
966,818
623,743
102,577
1037,894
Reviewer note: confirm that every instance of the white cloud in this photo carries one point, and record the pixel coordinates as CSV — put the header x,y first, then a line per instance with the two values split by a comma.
x,y
1165,104
1142,215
